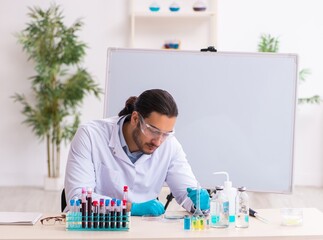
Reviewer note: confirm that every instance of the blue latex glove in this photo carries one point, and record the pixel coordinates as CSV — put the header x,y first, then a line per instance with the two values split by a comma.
x,y
152,207
204,198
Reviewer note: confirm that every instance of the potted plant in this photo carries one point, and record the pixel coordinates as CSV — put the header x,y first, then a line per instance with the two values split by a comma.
x,y
60,83
269,43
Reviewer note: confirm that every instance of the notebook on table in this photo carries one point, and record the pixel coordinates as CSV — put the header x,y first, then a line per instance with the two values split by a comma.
x,y
19,218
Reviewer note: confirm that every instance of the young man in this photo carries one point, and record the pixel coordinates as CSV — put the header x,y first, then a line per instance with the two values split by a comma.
x,y
137,149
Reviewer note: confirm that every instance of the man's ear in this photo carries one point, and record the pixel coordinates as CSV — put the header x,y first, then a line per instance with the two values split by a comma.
x,y
134,118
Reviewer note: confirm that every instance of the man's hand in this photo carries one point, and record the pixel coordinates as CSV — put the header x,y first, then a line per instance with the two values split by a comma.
x,y
152,207
204,198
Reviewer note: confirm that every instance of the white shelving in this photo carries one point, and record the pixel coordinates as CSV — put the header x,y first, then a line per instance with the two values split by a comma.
x,y
151,29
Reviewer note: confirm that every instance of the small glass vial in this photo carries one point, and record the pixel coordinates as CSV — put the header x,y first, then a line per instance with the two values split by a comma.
x,y
154,7
219,209
174,7
187,222
199,6
242,208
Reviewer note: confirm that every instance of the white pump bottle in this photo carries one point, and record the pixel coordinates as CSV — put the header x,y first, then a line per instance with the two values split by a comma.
x,y
231,192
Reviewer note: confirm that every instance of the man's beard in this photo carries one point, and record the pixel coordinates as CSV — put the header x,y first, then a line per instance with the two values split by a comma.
x,y
140,145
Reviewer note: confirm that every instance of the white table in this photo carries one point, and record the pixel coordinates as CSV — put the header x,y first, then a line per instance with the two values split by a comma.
x,y
312,228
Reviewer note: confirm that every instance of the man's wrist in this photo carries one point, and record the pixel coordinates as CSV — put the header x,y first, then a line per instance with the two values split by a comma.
x,y
129,205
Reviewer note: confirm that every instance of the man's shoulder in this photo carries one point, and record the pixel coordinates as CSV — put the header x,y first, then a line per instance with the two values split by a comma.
x,y
100,123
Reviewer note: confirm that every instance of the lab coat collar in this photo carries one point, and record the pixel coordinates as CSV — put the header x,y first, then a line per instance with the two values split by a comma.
x,y
116,147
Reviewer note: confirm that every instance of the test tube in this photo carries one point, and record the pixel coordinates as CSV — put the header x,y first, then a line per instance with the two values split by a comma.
x,y
107,213
112,214
95,214
101,213
83,207
78,215
125,193
124,213
118,213
89,207
71,214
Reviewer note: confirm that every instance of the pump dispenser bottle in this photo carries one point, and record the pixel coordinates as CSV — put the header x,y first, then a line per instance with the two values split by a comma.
x,y
231,192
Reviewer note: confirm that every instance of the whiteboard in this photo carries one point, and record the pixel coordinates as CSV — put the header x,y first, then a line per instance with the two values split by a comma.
x,y
236,110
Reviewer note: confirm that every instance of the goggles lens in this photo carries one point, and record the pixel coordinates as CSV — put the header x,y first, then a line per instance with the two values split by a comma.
x,y
153,132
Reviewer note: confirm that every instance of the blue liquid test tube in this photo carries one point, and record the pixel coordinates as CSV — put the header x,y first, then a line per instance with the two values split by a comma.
x,y
107,213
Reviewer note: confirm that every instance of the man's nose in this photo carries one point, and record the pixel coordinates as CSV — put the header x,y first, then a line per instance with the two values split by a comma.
x,y
157,140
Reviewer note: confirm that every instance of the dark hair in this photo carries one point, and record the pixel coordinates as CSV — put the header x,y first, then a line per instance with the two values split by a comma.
x,y
153,100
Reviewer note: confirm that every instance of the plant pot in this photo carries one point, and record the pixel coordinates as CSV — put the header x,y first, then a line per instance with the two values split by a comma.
x,y
53,184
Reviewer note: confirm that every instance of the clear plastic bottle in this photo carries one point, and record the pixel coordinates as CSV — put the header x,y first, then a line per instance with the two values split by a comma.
x,y
231,193
242,209
219,209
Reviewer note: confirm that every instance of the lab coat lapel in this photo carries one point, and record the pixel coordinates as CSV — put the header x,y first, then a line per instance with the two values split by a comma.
x,y
115,145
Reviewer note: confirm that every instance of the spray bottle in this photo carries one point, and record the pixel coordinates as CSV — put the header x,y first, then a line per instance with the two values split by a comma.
x,y
231,192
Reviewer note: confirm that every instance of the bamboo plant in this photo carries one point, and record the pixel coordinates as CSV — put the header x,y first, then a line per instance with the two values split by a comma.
x,y
269,43
59,84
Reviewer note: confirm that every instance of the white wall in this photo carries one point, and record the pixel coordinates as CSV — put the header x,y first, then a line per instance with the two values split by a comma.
x,y
107,24
22,156
298,24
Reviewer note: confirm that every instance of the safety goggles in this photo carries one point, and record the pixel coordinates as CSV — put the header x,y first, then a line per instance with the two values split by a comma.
x,y
153,132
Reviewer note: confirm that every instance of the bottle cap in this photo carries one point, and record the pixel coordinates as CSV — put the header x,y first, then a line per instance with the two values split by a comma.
x,y
219,188
125,188
107,202
72,201
242,189
95,203
118,202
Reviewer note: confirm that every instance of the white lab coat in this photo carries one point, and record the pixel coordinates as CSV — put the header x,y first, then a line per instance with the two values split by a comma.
x,y
97,160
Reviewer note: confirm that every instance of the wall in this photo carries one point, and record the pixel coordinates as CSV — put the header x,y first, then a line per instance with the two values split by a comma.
x,y
240,23
298,24
22,156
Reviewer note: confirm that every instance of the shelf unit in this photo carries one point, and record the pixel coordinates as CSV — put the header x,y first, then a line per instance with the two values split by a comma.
x,y
197,19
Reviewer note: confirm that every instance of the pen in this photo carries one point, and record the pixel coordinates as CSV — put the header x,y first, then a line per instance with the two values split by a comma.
x,y
254,214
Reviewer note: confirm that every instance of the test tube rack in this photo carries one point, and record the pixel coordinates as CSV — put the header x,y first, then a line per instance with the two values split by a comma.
x,y
77,222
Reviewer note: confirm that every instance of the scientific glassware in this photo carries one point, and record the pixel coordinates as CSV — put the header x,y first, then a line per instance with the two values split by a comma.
x,y
154,7
198,218
187,222
199,6
174,7
219,209
242,209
